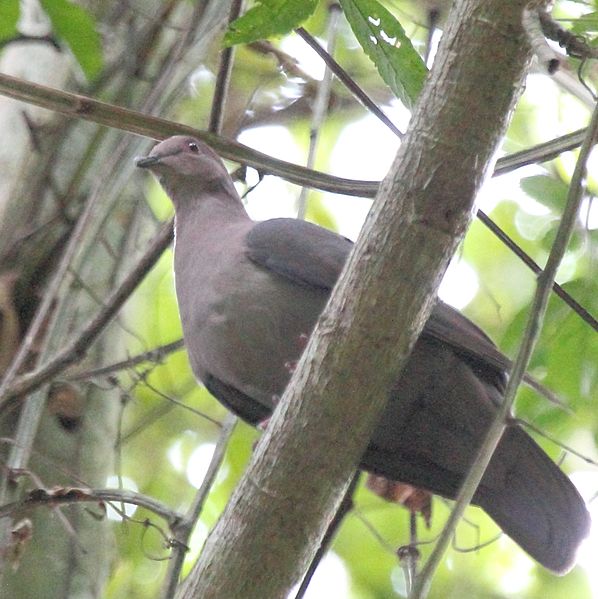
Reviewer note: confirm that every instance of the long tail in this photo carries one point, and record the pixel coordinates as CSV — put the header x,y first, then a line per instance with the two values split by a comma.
x,y
538,506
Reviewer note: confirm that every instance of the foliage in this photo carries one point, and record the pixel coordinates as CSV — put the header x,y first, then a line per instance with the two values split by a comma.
x,y
9,13
384,40
71,23
75,25
269,18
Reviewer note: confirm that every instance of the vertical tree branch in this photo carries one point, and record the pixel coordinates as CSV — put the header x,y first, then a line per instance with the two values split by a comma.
x,y
320,105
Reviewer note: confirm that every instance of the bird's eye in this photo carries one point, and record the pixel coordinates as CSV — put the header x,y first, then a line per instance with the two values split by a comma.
x,y
193,147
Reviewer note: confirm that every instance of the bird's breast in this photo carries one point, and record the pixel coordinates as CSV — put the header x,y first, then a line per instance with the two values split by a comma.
x,y
243,324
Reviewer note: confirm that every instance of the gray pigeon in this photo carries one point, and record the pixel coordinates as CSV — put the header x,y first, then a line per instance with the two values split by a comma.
x,y
249,292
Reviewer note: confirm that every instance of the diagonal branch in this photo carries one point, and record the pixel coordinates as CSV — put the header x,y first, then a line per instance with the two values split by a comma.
x,y
77,349
78,106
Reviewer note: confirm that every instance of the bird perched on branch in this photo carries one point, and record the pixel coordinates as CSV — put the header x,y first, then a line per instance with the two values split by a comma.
x,y
248,292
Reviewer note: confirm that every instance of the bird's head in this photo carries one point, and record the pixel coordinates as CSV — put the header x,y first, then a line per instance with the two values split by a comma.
x,y
181,162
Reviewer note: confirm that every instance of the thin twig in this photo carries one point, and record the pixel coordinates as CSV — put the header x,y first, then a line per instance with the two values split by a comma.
x,y
153,355
344,508
178,403
321,102
530,337
78,348
543,152
223,78
409,554
183,528
64,521
68,495
535,268
348,81
532,427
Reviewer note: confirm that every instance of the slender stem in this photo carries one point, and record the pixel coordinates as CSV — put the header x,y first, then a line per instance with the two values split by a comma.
x,y
223,78
41,497
530,337
348,81
409,555
182,531
534,267
153,355
320,107
344,508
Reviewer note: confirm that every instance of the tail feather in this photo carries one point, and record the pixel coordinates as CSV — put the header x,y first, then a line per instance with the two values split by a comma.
x,y
537,506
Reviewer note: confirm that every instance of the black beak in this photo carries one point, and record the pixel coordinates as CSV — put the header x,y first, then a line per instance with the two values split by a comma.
x,y
147,162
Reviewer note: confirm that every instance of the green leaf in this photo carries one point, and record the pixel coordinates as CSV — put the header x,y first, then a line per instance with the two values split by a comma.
x,y
385,42
547,190
9,14
268,18
76,27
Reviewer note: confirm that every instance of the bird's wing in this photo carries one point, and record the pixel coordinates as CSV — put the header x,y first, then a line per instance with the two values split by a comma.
x,y
300,251
310,255
470,342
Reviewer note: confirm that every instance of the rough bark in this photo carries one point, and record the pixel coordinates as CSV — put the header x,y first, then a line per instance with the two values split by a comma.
x,y
276,517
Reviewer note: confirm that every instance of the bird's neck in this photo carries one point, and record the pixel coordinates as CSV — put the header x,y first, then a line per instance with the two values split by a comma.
x,y
206,216
213,206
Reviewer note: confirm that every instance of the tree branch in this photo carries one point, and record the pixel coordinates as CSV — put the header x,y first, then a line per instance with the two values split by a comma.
x,y
78,106
183,529
64,496
77,349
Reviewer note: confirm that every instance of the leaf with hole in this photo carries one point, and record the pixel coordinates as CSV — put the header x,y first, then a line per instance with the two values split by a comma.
x,y
384,40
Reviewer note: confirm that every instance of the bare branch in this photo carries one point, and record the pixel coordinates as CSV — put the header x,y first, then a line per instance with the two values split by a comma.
x,y
62,496
182,530
321,103
153,355
78,106
348,81
77,349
